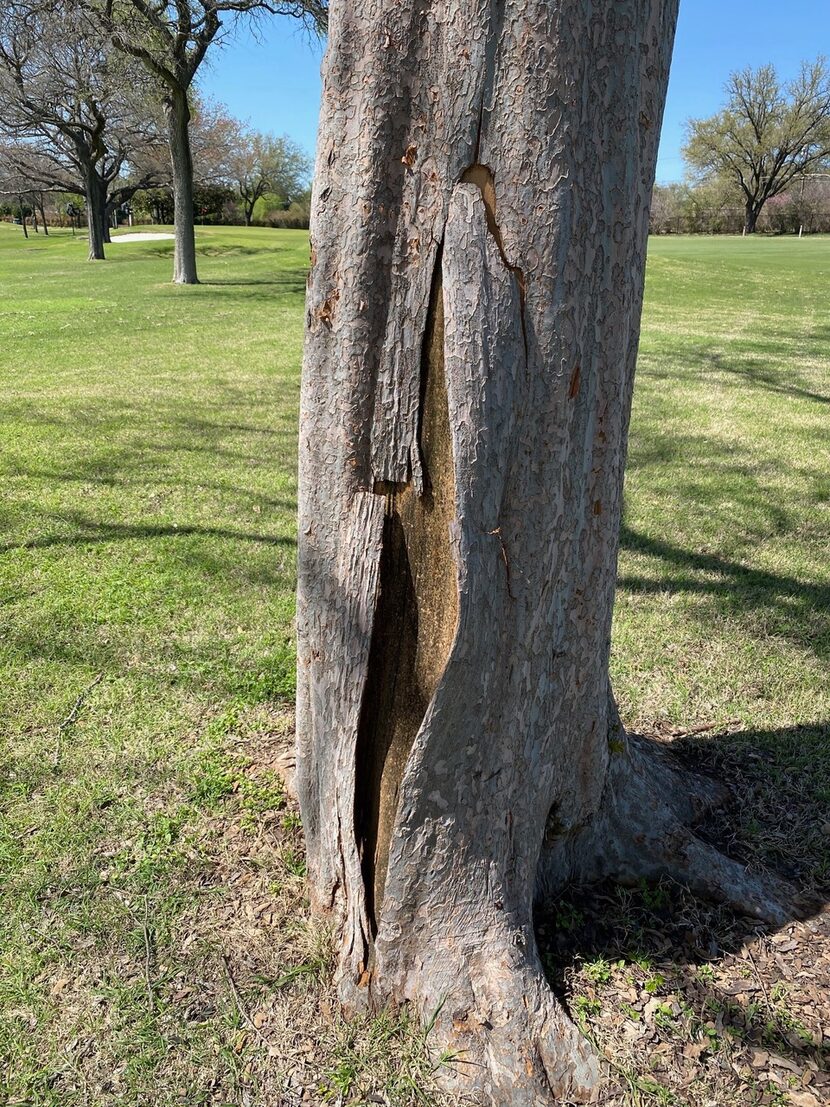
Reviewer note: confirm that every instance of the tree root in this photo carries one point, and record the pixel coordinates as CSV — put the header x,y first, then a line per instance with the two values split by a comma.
x,y
505,1039
645,832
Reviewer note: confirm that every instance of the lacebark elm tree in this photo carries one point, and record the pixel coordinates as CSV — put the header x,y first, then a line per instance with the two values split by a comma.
x,y
484,171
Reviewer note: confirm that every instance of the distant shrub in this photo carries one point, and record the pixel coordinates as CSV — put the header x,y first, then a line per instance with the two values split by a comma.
x,y
295,218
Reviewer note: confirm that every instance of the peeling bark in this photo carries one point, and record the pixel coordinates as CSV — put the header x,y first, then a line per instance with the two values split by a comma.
x,y
478,246
415,618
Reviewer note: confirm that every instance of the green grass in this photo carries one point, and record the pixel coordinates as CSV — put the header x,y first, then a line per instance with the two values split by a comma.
x,y
725,578
147,536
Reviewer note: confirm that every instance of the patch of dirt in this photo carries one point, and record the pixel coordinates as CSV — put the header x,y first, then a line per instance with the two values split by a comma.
x,y
686,1007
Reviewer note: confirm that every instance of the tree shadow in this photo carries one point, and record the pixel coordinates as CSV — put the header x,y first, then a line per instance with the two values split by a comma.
x,y
89,532
749,363
661,943
756,371
295,281
798,604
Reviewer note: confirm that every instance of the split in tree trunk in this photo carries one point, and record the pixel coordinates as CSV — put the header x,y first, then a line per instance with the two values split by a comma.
x,y
478,250
184,251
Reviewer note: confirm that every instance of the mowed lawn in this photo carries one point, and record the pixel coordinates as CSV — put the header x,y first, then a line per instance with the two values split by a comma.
x,y
155,944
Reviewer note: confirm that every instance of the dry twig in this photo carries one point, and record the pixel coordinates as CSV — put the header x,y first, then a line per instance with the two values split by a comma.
x,y
69,721
240,1006
147,957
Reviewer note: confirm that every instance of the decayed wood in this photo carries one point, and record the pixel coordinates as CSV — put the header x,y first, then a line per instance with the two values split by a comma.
x,y
478,246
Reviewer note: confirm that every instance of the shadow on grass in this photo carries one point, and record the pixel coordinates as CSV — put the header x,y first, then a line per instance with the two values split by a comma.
x,y
765,585
803,607
756,371
91,533
748,364
777,823
294,281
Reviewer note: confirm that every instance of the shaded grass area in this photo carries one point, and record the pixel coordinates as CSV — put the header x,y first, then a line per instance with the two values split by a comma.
x,y
155,945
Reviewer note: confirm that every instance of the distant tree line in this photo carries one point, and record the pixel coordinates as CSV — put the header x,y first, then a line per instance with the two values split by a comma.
x,y
98,99
240,177
712,207
762,163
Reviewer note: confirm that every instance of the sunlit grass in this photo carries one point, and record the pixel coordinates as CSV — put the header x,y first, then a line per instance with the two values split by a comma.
x,y
147,537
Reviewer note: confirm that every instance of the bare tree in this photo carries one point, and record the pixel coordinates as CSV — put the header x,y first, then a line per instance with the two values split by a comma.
x,y
265,163
172,40
479,231
23,172
768,134
39,166
73,112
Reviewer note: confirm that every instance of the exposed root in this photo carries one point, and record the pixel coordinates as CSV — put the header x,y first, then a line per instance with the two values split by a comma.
x,y
508,1041
645,833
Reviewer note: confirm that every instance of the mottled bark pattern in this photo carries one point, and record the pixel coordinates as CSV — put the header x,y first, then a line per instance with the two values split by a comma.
x,y
478,246
177,110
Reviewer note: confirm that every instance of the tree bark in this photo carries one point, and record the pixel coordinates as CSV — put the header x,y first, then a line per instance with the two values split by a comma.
x,y
178,128
751,218
43,215
479,231
96,201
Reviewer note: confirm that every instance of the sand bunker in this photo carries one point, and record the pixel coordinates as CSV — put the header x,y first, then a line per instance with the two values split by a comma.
x,y
142,236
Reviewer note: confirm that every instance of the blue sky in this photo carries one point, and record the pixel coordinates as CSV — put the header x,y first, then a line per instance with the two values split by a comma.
x,y
274,81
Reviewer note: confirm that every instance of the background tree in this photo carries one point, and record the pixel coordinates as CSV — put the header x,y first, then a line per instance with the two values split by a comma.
x,y
214,136
479,233
73,112
768,134
265,163
172,40
21,176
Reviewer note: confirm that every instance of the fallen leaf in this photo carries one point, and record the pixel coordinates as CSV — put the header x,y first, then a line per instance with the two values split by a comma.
x,y
803,1099
59,985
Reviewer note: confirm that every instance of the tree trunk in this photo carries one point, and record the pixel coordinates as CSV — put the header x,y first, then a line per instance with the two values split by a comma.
x,y
480,219
96,217
178,130
43,216
751,218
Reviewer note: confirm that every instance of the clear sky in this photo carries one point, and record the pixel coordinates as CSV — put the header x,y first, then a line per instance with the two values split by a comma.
x,y
273,81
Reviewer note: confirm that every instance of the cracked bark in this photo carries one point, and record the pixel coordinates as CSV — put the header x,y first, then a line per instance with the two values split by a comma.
x,y
478,245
